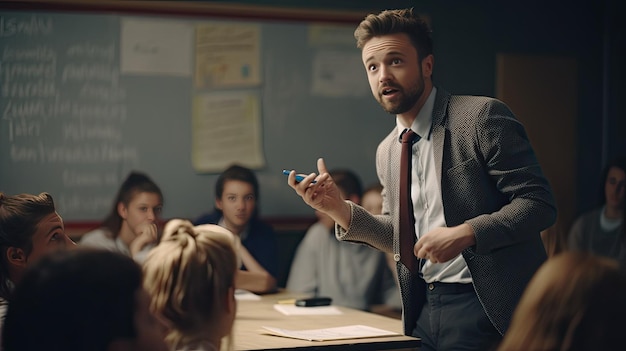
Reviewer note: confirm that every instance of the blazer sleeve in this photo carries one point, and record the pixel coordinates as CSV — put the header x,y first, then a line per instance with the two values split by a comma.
x,y
515,198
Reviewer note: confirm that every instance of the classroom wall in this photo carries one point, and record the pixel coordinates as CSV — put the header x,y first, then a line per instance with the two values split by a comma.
x,y
90,121
468,37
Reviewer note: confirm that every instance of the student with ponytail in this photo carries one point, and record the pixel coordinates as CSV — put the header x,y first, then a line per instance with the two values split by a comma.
x,y
190,277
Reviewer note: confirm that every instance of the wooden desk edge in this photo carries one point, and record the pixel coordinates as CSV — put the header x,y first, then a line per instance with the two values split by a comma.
x,y
248,337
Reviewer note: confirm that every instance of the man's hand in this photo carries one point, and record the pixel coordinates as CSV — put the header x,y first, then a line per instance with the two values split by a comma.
x,y
443,244
323,195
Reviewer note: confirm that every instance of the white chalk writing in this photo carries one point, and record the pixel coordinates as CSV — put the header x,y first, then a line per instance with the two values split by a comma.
x,y
80,203
33,26
63,111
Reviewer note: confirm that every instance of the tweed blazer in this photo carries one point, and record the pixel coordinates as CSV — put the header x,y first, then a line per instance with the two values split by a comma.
x,y
489,178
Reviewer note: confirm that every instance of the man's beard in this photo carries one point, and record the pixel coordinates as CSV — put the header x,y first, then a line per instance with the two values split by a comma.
x,y
406,101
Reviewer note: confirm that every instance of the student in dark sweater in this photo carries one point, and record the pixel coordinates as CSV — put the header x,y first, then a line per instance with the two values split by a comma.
x,y
236,197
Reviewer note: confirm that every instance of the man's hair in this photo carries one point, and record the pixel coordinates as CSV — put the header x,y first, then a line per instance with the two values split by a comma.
x,y
348,182
188,275
396,21
134,184
73,300
19,218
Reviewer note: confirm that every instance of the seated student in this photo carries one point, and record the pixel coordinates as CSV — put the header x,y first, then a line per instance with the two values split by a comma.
x,y
82,300
30,227
373,199
190,276
575,301
598,231
353,275
131,226
373,202
236,198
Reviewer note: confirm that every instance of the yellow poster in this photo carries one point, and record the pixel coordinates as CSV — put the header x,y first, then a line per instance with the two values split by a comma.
x,y
226,128
227,55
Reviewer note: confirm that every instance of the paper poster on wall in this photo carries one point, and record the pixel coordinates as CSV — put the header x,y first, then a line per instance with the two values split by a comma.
x,y
226,129
155,47
227,55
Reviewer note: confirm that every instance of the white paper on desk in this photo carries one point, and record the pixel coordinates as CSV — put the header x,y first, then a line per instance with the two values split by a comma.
x,y
245,295
293,310
338,333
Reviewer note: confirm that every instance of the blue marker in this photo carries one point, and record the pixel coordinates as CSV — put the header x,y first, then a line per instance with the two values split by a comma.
x,y
299,177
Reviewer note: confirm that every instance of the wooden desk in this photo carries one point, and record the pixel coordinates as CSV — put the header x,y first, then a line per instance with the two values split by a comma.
x,y
253,315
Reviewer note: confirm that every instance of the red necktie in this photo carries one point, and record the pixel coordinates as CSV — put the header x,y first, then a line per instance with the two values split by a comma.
x,y
407,218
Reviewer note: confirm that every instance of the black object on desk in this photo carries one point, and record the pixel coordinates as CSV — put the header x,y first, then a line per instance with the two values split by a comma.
x,y
314,301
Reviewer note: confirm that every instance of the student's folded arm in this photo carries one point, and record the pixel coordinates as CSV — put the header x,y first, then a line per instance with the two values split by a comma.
x,y
255,278
256,282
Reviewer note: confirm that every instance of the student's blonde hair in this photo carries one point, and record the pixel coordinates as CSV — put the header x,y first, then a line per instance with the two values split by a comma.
x,y
188,275
575,301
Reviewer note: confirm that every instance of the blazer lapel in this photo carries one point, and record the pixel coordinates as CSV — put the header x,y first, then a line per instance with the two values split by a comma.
x,y
440,111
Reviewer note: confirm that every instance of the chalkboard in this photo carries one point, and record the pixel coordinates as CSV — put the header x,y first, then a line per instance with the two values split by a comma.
x,y
74,125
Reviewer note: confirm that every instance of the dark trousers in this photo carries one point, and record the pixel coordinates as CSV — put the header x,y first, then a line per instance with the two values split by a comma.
x,y
454,319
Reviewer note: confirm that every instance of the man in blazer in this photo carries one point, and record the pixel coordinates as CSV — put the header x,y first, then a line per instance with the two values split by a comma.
x,y
479,197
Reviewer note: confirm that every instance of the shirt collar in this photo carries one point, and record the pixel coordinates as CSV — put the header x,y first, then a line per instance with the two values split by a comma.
x,y
244,233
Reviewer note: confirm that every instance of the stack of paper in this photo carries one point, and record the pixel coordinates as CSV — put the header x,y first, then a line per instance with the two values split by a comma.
x,y
292,310
338,333
245,295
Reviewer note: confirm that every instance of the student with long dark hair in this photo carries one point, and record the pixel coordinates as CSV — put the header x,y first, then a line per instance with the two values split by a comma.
x,y
131,226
